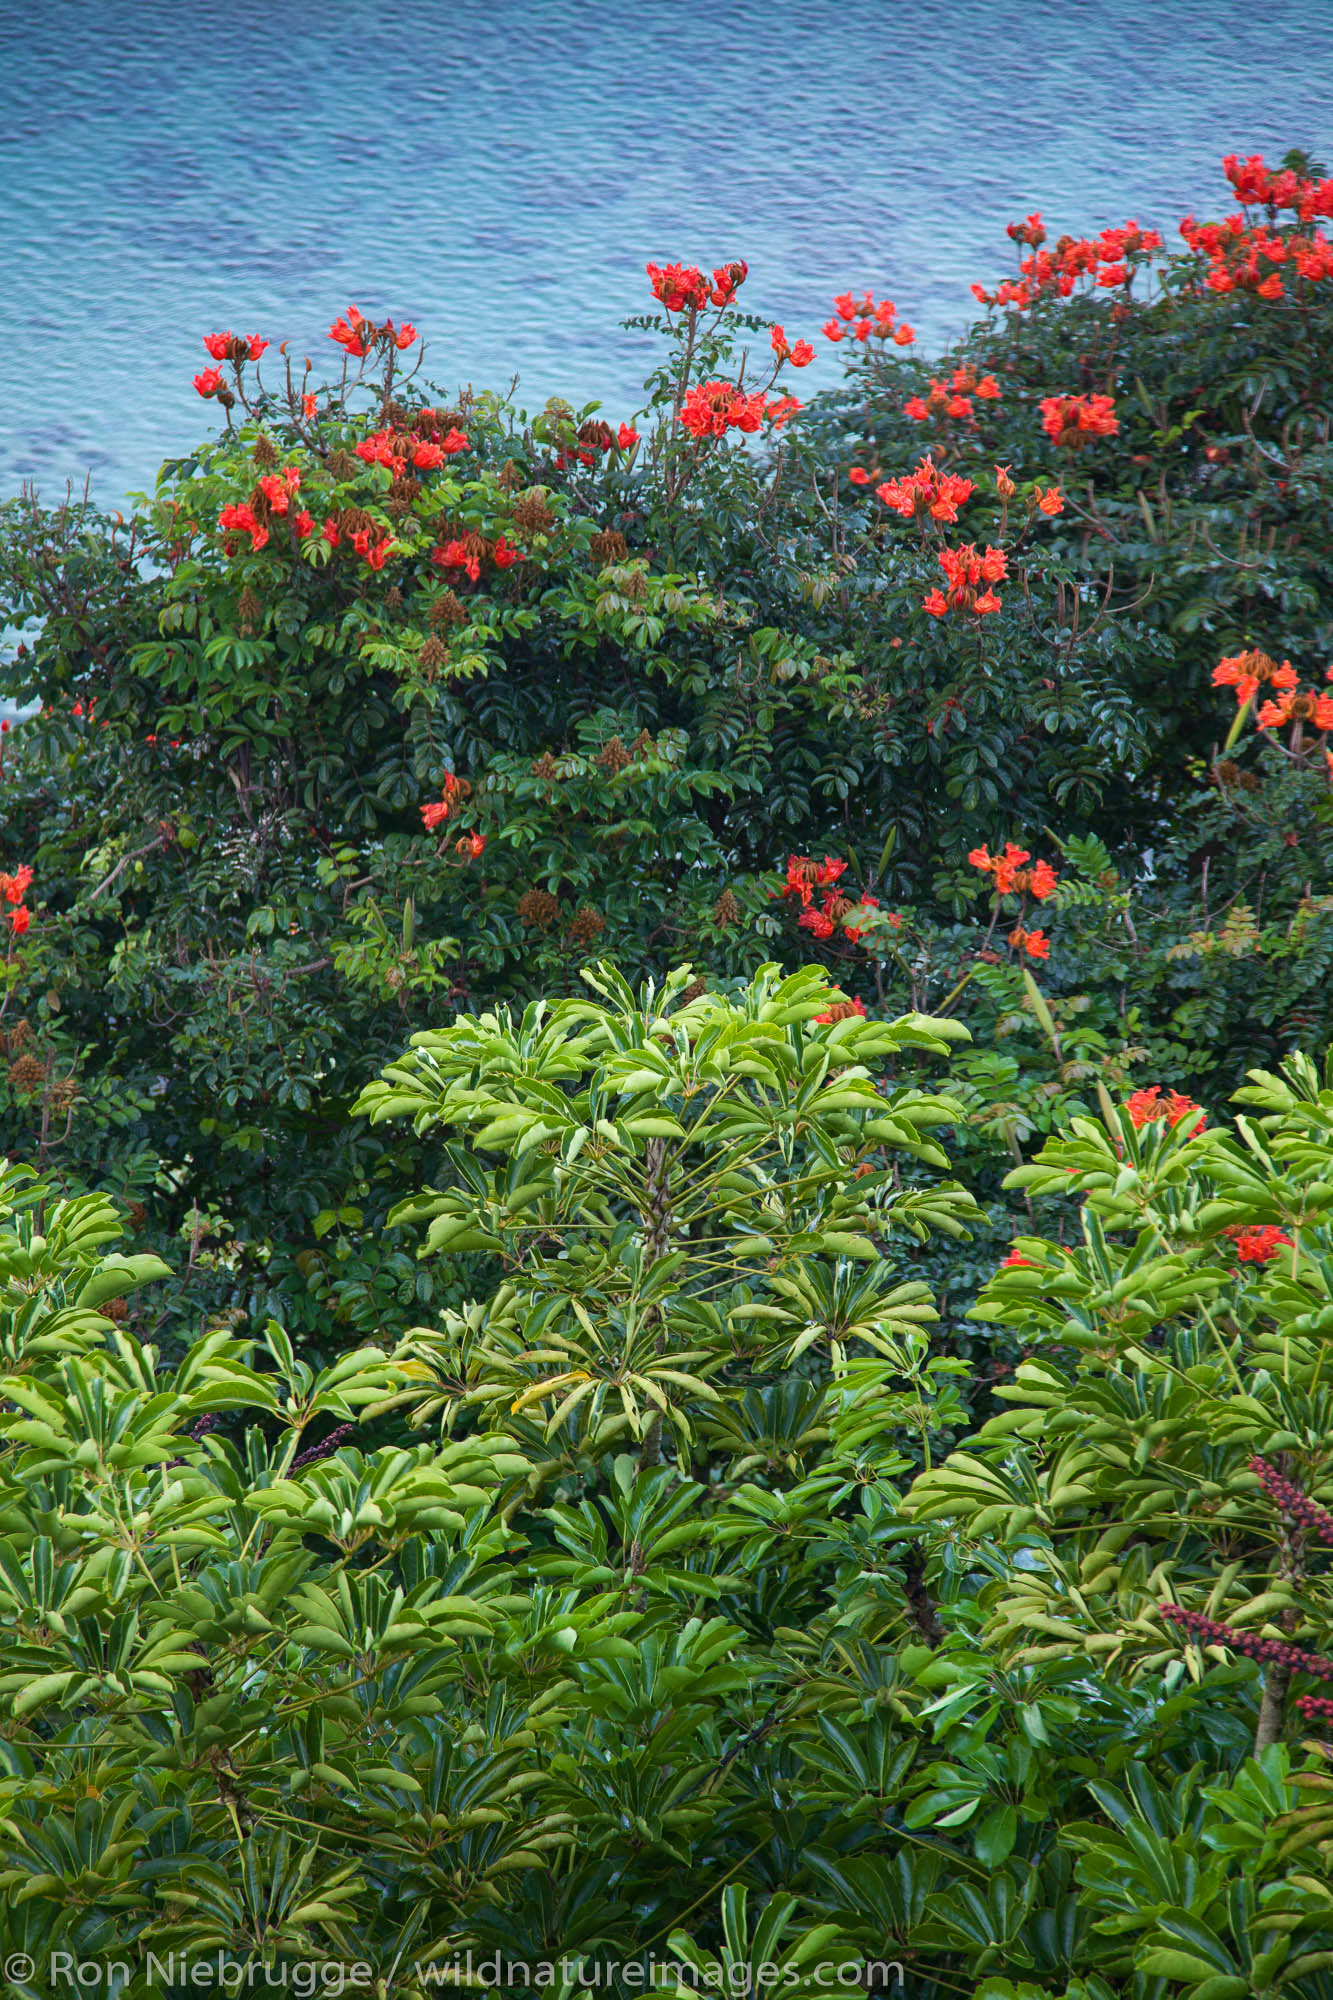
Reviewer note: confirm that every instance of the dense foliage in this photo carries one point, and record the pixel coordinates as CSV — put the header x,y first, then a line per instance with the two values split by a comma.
x,y
487,897
655,1604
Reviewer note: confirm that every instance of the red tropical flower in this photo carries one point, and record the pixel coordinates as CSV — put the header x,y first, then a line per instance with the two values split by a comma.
x,y
1146,1107
1257,1244
1071,421
354,333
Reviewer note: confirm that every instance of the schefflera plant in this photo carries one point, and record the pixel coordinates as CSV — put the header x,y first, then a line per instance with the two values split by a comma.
x,y
685,1191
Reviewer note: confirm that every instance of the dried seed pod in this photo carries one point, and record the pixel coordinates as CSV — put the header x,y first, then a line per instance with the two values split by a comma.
x,y
643,745
587,925
13,1039
539,908
265,452
613,758
546,767
532,516
28,1073
609,546
726,911
344,464
433,653
446,611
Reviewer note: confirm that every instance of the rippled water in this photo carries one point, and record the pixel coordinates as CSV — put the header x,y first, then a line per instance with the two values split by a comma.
x,y
500,173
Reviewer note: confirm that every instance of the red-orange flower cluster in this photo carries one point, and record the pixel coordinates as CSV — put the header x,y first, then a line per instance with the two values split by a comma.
x,y
1071,421
1012,875
842,1010
595,436
866,320
452,790
1248,672
804,876
966,571
14,888
358,335
396,450
468,552
925,491
683,287
1256,1243
1147,1107
953,398
1109,259
1253,259
710,409
1035,943
1297,705
800,354
271,497
235,347
1258,186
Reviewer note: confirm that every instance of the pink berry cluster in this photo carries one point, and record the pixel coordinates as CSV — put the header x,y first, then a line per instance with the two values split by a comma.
x,y
1291,1501
1271,1652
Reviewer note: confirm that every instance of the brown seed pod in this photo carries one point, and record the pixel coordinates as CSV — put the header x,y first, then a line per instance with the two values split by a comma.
x,y
344,464
694,991
587,925
28,1073
726,911
116,1309
265,452
12,1039
446,611
539,908
609,546
613,758
532,516
643,745
249,610
433,654
546,768
509,478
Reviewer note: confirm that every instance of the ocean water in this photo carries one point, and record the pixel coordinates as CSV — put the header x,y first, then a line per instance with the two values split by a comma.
x,y
499,173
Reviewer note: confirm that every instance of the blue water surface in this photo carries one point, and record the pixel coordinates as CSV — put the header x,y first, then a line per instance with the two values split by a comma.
x,y
500,173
